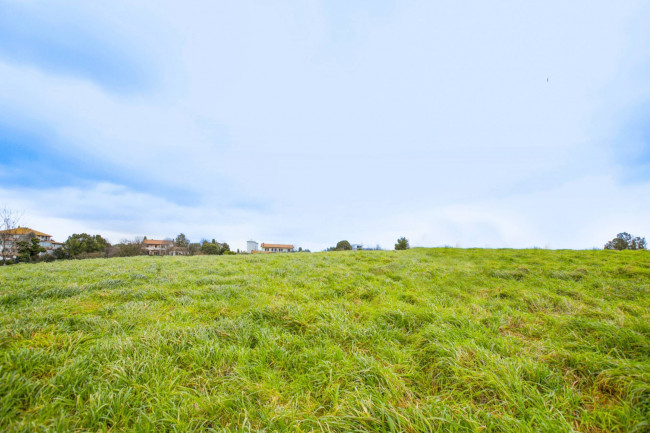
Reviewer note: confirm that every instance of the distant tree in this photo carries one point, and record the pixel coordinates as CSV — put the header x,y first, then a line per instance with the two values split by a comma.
x,y
8,221
300,249
79,244
343,246
215,248
194,248
28,251
210,248
128,247
625,241
182,241
402,244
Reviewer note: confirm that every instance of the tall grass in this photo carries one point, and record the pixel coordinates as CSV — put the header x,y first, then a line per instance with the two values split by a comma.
x,y
421,340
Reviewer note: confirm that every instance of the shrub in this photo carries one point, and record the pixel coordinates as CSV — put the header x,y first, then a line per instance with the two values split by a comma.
x,y
402,244
48,258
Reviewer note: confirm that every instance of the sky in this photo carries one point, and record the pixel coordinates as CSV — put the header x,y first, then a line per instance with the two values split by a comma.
x,y
472,124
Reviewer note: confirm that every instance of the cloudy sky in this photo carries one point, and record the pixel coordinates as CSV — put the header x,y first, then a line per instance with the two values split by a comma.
x,y
474,123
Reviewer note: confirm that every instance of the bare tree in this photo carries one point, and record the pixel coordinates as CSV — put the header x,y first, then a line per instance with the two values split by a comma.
x,y
9,220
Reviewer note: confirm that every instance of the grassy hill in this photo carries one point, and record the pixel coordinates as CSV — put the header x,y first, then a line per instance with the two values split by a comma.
x,y
420,340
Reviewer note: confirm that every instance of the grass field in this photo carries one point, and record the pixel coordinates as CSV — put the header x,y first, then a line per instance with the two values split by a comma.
x,y
420,340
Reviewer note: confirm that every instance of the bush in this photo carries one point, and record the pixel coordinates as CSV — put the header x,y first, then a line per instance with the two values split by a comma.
x,y
61,253
48,258
215,248
402,244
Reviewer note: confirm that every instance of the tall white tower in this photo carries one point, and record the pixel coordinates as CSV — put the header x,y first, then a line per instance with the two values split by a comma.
x,y
251,246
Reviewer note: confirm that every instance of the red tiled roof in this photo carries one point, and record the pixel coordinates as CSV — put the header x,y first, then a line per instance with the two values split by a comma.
x,y
277,246
155,242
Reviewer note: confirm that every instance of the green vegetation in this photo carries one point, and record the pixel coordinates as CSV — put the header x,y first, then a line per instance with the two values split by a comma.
x,y
419,340
341,246
625,241
84,245
402,244
28,251
215,248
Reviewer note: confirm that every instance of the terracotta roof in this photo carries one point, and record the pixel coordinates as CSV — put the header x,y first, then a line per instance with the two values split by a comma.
x,y
277,246
25,231
155,242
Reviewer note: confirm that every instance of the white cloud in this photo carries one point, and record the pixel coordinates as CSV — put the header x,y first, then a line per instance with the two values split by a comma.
x,y
580,214
309,124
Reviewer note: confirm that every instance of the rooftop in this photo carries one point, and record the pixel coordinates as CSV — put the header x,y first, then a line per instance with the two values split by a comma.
x,y
155,242
24,231
277,246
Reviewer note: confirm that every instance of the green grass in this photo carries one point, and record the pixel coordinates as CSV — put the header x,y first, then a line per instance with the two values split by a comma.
x,y
422,340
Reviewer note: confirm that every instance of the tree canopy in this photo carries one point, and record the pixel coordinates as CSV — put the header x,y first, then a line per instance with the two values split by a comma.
x,y
28,251
182,241
343,246
85,243
625,241
402,244
214,247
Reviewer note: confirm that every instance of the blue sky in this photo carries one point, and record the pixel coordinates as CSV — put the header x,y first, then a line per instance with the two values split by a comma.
x,y
488,124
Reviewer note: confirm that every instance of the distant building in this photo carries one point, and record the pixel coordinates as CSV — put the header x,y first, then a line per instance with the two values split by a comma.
x,y
179,251
19,234
155,247
277,248
251,246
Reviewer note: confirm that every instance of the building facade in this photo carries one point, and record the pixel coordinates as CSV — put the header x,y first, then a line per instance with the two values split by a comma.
x,y
277,248
154,247
179,251
9,240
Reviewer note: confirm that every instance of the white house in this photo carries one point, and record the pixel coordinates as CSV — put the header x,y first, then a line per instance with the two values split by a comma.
x,y
10,238
155,247
277,248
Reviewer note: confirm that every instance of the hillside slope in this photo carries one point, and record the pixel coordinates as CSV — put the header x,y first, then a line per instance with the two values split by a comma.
x,y
419,340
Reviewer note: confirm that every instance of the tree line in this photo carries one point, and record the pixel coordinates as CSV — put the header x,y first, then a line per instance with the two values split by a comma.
x,y
83,245
344,245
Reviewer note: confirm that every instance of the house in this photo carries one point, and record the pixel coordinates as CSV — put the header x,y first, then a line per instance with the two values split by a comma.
x,y
276,248
9,241
179,251
155,247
